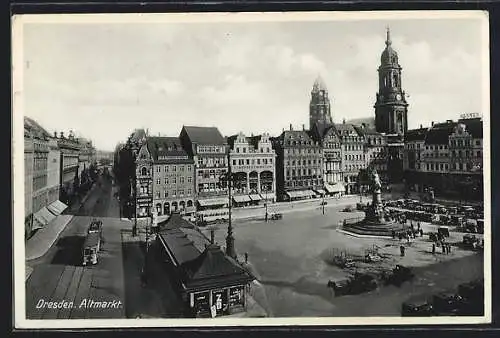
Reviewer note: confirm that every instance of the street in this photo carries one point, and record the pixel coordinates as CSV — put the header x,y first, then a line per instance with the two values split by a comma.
x,y
59,275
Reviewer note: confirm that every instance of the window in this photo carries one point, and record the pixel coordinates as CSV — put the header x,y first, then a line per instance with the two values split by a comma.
x,y
166,180
190,179
234,162
181,180
157,194
244,150
158,169
181,192
237,149
157,181
190,192
181,168
188,168
248,162
174,193
165,168
165,193
174,180
144,171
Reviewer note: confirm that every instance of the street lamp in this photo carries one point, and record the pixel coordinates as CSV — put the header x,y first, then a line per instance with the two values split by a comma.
x,y
228,177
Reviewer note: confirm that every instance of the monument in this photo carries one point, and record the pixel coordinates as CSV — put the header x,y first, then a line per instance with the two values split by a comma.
x,y
376,222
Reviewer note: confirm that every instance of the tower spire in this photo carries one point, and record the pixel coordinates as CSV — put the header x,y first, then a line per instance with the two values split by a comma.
x,y
388,41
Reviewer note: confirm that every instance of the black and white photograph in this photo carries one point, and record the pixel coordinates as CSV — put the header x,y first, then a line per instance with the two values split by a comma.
x,y
223,169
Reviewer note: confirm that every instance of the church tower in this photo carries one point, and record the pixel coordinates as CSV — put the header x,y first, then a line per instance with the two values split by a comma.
x,y
319,108
391,108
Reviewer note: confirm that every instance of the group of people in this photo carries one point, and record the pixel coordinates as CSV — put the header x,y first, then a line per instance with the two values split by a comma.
x,y
410,233
445,247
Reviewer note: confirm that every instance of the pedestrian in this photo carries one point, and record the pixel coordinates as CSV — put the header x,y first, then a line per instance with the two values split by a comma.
x,y
418,225
402,250
433,248
421,233
443,247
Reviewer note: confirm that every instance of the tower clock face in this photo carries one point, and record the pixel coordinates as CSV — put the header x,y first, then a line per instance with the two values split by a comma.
x,y
398,97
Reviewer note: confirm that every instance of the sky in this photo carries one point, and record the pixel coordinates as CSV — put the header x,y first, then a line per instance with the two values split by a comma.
x,y
103,80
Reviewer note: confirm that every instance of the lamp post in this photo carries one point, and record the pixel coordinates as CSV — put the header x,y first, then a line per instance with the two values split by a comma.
x,y
228,177
265,203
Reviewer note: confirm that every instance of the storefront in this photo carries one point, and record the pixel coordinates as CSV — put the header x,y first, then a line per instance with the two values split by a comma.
x,y
336,190
295,195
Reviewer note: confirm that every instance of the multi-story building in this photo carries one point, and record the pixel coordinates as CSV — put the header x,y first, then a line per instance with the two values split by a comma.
x,y
391,109
28,183
69,162
299,164
353,155
252,161
375,151
466,156
208,148
446,157
53,171
413,159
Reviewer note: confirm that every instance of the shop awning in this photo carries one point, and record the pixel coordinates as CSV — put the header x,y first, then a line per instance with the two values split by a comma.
x,y
308,193
255,197
241,198
320,191
300,193
338,187
57,207
44,216
213,201
268,196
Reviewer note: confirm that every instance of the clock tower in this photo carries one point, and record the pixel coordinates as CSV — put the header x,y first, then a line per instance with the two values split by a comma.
x,y
319,107
391,108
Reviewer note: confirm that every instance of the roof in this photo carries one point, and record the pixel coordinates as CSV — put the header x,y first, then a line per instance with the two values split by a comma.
x,y
202,264
204,135
319,84
367,121
32,128
166,146
416,134
440,132
345,127
213,267
473,126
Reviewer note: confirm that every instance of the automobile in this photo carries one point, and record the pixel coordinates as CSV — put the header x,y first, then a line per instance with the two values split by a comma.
x,y
444,232
417,307
276,216
472,294
95,226
343,262
398,275
470,241
359,283
348,209
447,304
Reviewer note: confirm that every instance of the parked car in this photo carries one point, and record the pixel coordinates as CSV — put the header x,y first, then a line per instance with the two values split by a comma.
x,y
398,275
447,304
95,226
417,306
359,283
276,216
348,208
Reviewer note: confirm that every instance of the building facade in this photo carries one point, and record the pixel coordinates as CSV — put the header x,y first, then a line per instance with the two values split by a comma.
x,y
447,158
69,166
353,155
208,148
53,171
28,184
252,162
299,165
376,152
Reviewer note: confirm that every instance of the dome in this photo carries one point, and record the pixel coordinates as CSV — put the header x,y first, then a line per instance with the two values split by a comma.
x,y
319,85
389,55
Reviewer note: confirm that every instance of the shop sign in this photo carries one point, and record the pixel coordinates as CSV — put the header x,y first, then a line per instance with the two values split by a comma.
x,y
219,301
236,297
200,302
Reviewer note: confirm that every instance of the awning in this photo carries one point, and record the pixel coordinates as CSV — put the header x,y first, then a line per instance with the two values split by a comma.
x,y
268,196
293,194
338,187
213,201
255,197
320,191
308,193
300,193
44,216
57,207
241,198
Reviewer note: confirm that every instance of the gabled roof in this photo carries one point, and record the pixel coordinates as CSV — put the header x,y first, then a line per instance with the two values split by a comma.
x,y
159,146
204,135
369,122
214,267
473,126
416,134
440,132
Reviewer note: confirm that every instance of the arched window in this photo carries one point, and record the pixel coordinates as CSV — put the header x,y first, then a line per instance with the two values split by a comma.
x,y
144,171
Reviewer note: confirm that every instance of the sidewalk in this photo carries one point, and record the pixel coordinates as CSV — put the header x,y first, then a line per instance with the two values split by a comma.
x,y
43,239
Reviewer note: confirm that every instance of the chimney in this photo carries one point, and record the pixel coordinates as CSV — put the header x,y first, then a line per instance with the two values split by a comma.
x,y
343,121
303,127
61,134
291,128
432,123
212,236
55,134
421,126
